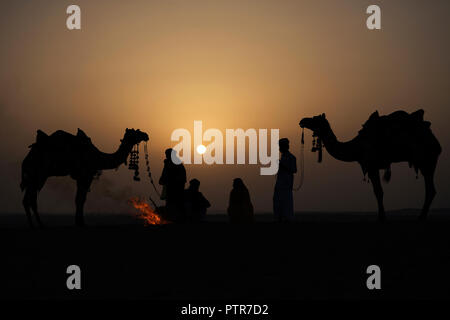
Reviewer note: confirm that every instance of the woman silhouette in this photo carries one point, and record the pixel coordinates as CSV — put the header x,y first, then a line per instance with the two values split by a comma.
x,y
240,208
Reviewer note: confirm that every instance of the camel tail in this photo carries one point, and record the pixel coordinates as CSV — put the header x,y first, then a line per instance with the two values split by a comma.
x,y
24,183
26,172
29,164
387,175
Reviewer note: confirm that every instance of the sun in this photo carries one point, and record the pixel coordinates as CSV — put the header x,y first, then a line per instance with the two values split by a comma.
x,y
201,149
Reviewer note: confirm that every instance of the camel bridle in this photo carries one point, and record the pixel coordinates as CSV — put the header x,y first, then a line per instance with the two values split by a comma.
x,y
134,162
134,165
317,145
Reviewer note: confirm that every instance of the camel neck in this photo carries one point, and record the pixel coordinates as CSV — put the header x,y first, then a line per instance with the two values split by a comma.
x,y
113,160
344,151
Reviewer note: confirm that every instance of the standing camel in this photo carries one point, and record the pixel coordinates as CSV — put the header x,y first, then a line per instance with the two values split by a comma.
x,y
62,154
397,137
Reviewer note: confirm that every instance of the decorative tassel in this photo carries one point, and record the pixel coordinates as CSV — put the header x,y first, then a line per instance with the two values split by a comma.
x,y
134,162
319,148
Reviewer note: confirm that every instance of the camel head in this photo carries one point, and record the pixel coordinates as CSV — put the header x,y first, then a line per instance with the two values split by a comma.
x,y
317,124
133,136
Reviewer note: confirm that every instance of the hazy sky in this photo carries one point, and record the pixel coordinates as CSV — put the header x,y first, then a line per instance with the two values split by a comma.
x,y
160,65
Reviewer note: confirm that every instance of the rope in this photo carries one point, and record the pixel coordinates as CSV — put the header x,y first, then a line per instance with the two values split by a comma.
x,y
302,162
153,202
147,162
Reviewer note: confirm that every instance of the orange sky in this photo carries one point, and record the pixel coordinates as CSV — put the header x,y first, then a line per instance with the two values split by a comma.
x,y
160,65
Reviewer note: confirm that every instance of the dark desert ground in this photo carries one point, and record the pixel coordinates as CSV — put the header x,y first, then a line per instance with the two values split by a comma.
x,y
319,256
161,66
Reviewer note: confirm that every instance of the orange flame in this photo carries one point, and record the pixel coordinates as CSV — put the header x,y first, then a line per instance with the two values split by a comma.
x,y
146,212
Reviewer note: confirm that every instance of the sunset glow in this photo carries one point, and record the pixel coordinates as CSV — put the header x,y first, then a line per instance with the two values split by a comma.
x,y
159,66
201,149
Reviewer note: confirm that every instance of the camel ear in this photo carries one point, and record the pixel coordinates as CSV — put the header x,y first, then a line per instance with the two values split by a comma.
x,y
323,115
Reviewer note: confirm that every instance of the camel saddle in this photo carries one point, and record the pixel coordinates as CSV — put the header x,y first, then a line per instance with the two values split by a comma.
x,y
398,123
58,137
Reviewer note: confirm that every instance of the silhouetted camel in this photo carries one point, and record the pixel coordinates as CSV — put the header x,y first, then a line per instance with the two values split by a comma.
x,y
396,137
62,154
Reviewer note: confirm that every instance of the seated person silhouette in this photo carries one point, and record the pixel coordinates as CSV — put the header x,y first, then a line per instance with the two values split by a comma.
x,y
195,204
240,208
173,179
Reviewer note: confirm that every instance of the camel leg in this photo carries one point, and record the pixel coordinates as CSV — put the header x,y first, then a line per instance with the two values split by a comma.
x,y
82,190
27,204
430,192
35,210
374,176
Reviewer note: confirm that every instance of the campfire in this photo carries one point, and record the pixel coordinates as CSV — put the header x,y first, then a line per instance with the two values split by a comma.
x,y
146,213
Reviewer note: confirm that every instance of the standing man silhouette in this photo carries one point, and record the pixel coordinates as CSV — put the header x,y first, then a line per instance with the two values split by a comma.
x,y
173,179
283,200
